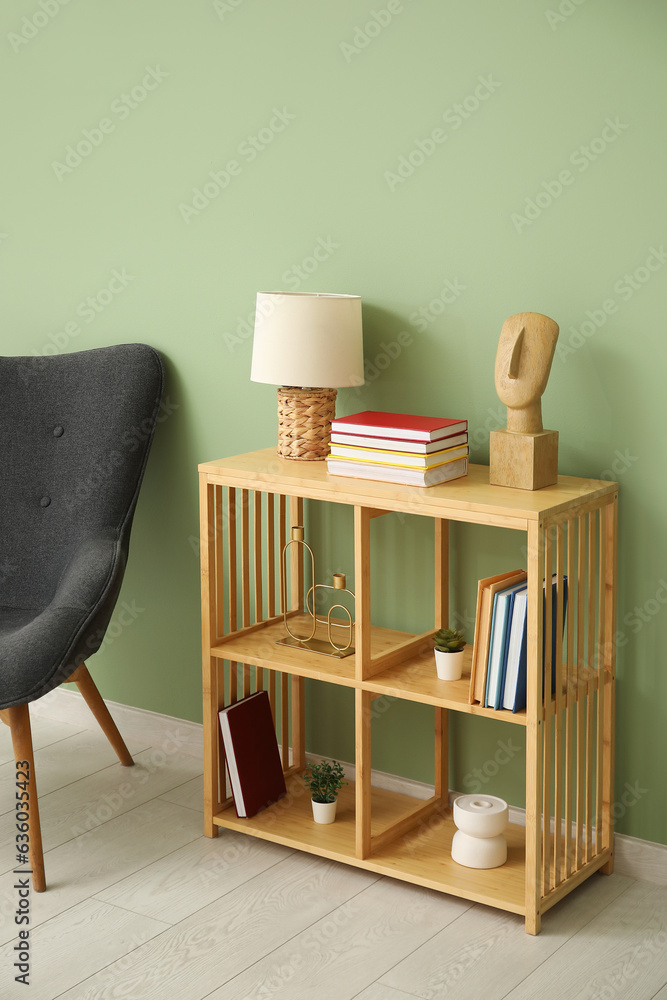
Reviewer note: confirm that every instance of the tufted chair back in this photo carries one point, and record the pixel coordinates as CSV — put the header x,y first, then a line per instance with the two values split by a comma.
x,y
75,432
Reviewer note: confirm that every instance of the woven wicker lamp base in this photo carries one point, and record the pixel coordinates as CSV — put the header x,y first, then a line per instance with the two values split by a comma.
x,y
304,423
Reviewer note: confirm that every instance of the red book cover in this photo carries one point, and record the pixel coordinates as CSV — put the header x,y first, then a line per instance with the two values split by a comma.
x,y
374,423
253,761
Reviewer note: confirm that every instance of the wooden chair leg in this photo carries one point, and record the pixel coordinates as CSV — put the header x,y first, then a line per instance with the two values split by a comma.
x,y
95,702
18,719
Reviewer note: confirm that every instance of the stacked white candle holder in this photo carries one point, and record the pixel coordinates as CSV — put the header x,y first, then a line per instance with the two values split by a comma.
x,y
480,821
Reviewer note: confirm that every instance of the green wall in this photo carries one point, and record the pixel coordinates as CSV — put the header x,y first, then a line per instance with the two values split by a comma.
x,y
453,163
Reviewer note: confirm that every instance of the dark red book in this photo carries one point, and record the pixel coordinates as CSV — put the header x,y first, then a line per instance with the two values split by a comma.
x,y
404,426
253,760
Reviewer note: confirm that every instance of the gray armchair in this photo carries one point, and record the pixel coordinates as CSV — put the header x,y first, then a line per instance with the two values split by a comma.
x,y
75,432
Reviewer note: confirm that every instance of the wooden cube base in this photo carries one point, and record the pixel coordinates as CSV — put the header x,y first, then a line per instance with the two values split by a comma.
x,y
523,461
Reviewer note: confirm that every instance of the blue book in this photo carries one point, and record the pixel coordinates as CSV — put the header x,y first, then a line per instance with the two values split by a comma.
x,y
515,672
502,606
514,696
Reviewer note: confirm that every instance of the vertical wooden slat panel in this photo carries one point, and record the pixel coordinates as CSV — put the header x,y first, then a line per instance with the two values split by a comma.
x,y
570,697
600,670
245,560
283,535
258,589
296,557
362,589
441,528
441,572
257,553
581,691
611,513
590,661
548,712
282,540
560,708
442,754
219,564
298,723
363,772
223,666
209,665
270,556
245,579
271,586
232,584
284,719
534,726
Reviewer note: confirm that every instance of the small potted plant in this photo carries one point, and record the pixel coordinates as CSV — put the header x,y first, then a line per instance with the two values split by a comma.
x,y
449,645
325,780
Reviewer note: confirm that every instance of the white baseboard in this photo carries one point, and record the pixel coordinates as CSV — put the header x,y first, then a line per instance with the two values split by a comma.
x,y
639,859
138,724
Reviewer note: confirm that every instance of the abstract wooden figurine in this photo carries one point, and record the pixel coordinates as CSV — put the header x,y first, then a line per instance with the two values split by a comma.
x,y
524,455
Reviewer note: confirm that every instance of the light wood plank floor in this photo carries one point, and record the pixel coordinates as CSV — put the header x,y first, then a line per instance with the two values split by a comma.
x,y
141,906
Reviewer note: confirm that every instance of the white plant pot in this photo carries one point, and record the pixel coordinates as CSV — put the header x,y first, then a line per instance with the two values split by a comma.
x,y
449,666
324,812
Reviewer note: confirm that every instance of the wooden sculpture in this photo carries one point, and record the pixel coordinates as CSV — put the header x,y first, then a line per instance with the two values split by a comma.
x,y
524,455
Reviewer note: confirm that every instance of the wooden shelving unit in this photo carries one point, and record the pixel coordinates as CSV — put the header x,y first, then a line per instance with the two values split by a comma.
x,y
248,503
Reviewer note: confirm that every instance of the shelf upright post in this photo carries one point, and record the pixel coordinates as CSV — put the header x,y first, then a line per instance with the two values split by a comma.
x,y
207,528
608,668
536,541
297,604
362,707
441,621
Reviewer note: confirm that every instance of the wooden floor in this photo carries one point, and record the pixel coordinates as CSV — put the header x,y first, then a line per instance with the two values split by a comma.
x,y
140,906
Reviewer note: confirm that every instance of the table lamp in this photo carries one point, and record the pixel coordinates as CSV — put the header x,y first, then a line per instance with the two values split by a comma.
x,y
307,343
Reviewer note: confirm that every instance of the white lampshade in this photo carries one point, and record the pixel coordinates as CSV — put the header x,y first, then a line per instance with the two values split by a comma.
x,y
309,339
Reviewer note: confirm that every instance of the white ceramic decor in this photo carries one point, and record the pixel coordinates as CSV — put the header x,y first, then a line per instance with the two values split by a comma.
x,y
480,821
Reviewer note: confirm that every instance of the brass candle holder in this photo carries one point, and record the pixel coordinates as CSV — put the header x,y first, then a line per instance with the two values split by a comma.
x,y
329,646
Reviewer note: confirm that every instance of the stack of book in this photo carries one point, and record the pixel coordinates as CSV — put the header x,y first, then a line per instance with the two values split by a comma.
x,y
399,448
499,660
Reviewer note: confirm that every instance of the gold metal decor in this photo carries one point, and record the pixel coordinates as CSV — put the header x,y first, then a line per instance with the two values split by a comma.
x,y
329,646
